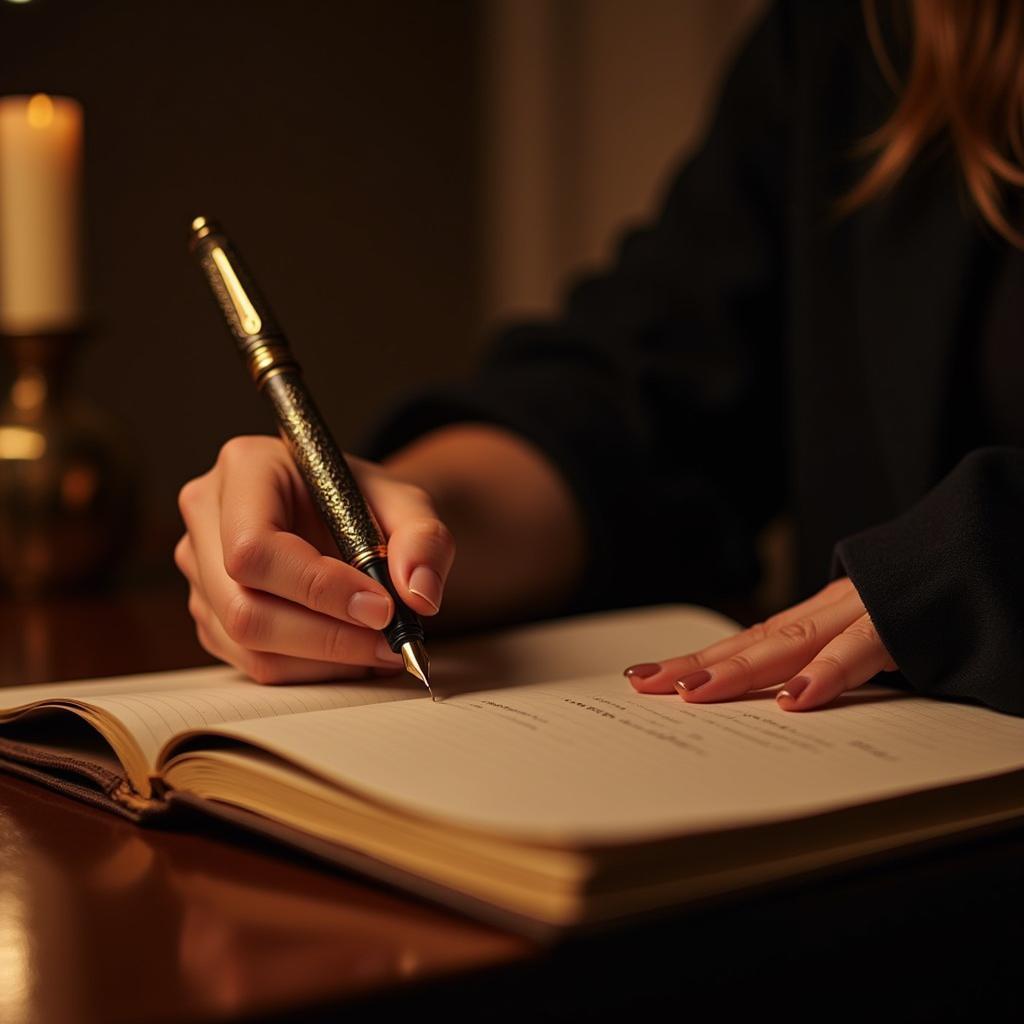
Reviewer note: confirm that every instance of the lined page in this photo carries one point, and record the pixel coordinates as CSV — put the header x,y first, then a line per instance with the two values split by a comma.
x,y
593,761
154,718
557,649
153,707
574,647
13,698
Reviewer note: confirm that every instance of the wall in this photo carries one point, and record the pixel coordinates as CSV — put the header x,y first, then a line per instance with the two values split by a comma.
x,y
336,142
590,104
399,175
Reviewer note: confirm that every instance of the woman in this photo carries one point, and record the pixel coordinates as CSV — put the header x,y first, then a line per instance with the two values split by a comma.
x,y
807,326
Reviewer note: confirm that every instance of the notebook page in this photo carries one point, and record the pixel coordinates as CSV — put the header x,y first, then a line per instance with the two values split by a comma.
x,y
593,761
14,697
154,718
153,707
573,647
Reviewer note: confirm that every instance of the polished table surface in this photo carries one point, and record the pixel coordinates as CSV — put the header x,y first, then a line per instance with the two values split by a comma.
x,y
101,920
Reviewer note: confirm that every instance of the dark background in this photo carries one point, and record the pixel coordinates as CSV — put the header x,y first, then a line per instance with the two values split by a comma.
x,y
338,145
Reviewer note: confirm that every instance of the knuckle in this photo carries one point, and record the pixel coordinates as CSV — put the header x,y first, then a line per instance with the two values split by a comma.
x,y
445,539
315,585
264,670
686,663
189,495
336,643
244,557
429,527
210,643
241,619
833,661
180,550
800,632
434,532
238,449
203,636
418,494
739,663
863,629
759,630
206,641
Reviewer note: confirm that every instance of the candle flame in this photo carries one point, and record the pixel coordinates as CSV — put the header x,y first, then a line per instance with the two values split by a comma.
x,y
40,111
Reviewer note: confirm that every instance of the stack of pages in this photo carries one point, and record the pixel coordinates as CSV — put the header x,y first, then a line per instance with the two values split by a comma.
x,y
541,792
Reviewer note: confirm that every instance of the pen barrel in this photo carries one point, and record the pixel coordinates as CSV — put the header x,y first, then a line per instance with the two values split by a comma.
x,y
327,474
333,487
328,477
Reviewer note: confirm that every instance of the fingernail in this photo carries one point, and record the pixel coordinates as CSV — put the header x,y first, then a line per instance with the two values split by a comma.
x,y
384,653
644,670
370,609
693,680
427,584
794,687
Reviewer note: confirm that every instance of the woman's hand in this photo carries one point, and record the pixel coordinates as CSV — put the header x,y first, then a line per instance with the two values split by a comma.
x,y
269,593
818,648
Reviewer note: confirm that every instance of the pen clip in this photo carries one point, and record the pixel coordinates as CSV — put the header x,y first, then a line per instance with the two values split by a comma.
x,y
244,309
248,319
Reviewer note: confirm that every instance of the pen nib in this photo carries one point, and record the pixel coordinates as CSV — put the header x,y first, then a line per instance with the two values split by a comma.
x,y
416,662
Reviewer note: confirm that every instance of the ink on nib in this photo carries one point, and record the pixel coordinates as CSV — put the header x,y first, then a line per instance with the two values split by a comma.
x,y
416,662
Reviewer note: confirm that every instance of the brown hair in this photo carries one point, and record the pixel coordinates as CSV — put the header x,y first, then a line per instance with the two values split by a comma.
x,y
966,78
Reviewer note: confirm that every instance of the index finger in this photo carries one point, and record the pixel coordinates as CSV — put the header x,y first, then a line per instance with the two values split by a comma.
x,y
661,677
262,553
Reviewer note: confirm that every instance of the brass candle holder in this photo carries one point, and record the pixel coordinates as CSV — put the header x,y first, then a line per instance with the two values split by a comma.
x,y
66,497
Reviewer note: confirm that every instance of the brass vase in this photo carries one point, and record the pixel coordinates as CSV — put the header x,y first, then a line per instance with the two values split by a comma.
x,y
66,499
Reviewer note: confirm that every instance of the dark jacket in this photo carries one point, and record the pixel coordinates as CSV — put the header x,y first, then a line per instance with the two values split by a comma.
x,y
749,353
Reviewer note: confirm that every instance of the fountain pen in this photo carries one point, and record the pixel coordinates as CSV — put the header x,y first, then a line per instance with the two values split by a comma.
x,y
275,372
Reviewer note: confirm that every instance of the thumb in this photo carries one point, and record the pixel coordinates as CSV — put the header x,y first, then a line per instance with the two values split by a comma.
x,y
421,548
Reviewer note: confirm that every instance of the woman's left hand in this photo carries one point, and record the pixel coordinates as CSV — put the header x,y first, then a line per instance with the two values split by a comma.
x,y
818,648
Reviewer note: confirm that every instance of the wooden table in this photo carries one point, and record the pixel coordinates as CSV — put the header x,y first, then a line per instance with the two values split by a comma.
x,y
102,921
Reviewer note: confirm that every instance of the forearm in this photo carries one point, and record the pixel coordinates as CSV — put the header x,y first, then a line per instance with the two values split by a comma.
x,y
519,535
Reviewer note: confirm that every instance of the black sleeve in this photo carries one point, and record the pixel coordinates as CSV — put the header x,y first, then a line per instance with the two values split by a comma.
x,y
657,390
944,583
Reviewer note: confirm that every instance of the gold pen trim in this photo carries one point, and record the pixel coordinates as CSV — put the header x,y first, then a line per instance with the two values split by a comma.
x,y
368,555
269,358
248,318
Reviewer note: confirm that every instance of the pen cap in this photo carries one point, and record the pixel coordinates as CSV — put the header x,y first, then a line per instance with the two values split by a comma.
x,y
246,313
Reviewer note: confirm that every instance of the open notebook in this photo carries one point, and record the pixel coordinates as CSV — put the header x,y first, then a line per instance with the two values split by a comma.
x,y
542,792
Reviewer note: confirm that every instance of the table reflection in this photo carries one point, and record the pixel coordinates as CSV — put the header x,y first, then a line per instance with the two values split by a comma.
x,y
101,920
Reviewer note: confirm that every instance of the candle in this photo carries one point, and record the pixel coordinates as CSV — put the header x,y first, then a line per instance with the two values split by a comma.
x,y
40,176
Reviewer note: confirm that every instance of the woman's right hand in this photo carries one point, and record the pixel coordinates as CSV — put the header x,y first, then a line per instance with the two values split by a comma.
x,y
269,591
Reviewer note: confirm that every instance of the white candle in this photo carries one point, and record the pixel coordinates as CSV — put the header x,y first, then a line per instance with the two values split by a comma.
x,y
40,185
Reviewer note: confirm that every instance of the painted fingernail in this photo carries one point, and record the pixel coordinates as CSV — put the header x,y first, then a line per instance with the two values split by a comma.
x,y
693,680
426,584
644,670
370,609
384,653
794,687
